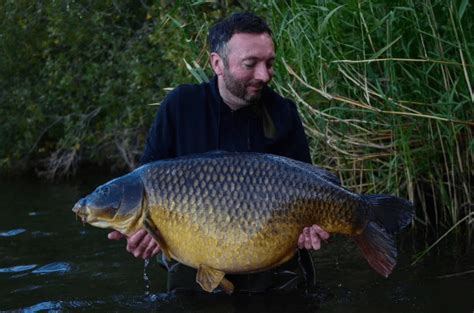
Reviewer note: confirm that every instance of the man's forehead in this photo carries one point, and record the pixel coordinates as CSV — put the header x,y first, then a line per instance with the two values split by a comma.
x,y
250,45
250,37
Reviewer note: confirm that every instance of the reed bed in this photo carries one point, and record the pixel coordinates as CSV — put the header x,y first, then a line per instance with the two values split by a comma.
x,y
386,95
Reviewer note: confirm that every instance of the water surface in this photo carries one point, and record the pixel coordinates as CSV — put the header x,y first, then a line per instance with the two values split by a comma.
x,y
50,262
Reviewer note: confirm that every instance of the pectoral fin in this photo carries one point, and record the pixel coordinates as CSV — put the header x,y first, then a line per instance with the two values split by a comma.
x,y
155,233
209,278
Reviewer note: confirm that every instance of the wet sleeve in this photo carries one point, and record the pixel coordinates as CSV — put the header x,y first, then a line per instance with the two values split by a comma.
x,y
161,139
297,144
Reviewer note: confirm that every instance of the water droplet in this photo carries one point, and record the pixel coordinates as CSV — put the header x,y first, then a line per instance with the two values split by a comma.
x,y
146,279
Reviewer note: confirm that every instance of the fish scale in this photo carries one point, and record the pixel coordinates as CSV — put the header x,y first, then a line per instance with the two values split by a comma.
x,y
242,212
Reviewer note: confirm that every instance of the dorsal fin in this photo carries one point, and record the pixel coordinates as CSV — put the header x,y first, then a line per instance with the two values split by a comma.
x,y
310,168
328,176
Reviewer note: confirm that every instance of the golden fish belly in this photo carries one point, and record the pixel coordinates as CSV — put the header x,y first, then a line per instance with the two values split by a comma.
x,y
231,245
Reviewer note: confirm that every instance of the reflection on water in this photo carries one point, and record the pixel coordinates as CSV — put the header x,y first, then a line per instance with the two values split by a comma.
x,y
55,267
11,233
50,262
16,269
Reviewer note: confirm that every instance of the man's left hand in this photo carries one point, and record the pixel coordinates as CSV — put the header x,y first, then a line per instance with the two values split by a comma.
x,y
311,237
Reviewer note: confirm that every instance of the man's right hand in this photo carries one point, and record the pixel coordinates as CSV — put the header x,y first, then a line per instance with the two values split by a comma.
x,y
140,244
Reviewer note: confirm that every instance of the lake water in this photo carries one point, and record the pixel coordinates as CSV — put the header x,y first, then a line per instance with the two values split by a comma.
x,y
50,262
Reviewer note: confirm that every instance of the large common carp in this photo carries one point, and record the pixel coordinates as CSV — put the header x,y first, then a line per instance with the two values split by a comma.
x,y
234,213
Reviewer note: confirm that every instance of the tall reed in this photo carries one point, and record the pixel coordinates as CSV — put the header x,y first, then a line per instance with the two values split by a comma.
x,y
386,95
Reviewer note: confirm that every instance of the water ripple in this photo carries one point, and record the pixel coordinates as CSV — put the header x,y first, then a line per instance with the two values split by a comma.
x,y
48,306
13,232
56,267
37,213
41,234
59,306
18,268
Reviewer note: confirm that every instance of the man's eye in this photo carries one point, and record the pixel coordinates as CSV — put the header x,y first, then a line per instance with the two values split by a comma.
x,y
249,65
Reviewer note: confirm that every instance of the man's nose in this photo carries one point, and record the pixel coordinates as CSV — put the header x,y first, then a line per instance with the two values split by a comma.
x,y
263,73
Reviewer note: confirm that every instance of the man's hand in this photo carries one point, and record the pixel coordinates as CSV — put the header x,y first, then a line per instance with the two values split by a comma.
x,y
311,237
140,244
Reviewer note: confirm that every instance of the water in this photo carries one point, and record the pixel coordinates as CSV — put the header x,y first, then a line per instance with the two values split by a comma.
x,y
50,262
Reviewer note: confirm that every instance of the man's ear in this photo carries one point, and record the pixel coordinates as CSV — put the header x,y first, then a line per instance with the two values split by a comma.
x,y
217,64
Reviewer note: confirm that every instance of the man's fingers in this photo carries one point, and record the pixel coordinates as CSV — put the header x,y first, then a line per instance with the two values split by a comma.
x,y
301,241
307,238
137,243
150,249
115,235
134,241
315,241
156,250
140,244
139,251
321,232
311,237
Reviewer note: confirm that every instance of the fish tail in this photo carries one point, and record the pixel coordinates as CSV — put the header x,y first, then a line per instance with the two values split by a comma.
x,y
387,215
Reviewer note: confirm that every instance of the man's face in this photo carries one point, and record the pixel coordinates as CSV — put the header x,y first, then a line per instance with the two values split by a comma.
x,y
249,65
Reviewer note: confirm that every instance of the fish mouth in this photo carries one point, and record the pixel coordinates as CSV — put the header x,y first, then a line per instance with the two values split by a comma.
x,y
81,211
87,216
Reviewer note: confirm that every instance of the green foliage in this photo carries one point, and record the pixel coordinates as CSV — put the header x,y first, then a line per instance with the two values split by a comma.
x,y
77,78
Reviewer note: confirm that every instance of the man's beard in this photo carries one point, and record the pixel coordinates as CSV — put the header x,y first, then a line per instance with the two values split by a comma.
x,y
238,88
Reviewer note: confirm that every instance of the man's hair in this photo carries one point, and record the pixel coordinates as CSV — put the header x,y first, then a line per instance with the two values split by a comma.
x,y
220,33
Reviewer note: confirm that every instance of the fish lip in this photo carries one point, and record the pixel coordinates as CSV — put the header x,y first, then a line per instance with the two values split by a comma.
x,y
81,212
82,217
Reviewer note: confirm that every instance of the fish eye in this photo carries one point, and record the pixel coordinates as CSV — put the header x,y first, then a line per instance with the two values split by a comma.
x,y
104,191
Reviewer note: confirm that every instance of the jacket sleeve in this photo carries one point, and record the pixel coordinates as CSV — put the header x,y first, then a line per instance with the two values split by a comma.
x,y
161,140
297,144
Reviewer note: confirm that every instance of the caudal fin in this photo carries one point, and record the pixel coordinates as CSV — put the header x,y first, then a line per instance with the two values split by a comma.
x,y
378,248
390,212
388,215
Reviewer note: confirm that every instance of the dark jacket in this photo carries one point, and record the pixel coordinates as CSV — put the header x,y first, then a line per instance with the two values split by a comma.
x,y
194,119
